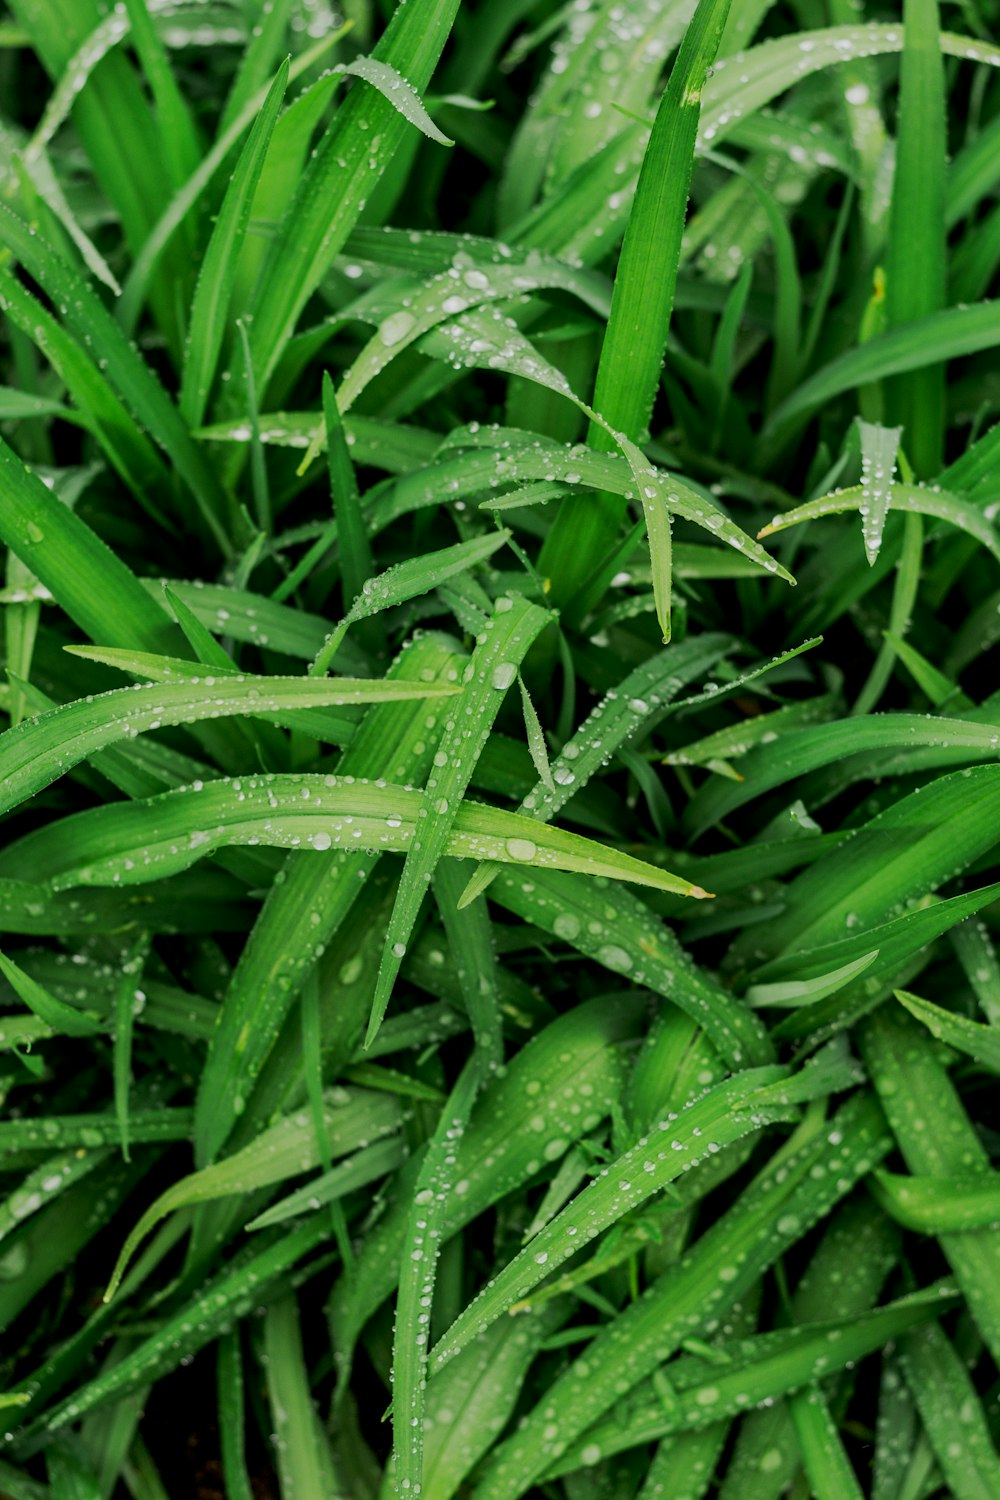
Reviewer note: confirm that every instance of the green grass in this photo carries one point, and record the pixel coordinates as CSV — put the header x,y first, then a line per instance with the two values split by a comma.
x,y
500,759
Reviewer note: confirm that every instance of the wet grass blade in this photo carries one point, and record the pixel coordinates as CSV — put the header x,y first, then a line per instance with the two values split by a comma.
x,y
915,256
636,337
491,671
936,1137
213,291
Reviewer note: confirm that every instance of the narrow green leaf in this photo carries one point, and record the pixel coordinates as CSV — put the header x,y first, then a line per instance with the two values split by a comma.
x,y
636,336
948,1405
970,1037
93,586
305,1462
400,94
229,1378
353,1117
215,279
937,1138
494,665
39,750
725,1113
879,446
915,250
940,1205
910,498
63,1019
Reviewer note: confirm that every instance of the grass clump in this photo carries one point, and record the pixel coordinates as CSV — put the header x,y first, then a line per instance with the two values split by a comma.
x,y
500,765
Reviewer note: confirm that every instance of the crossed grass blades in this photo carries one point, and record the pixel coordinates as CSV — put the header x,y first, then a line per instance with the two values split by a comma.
x,y
476,941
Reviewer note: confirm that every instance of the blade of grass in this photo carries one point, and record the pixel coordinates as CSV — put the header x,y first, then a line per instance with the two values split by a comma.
x,y
213,291
642,303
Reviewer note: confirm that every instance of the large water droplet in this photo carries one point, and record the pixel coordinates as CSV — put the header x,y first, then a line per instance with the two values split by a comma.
x,y
395,328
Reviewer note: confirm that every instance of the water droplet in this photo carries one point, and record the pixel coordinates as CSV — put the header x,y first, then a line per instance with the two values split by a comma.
x,y
395,328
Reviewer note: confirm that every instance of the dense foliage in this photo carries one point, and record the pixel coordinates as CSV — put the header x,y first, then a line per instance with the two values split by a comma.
x,y
500,761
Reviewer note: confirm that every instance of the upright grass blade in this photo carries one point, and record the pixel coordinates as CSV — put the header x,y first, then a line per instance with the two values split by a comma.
x,y
936,1137
177,132
915,263
636,337
232,1420
127,372
207,321
493,668
340,177
354,548
172,219
434,1183
305,1462
948,1406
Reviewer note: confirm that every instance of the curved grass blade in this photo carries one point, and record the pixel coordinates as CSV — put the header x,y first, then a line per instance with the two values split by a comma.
x,y
39,750
516,456
400,94
971,1037
62,1019
912,499
93,586
743,83
723,1114
940,1205
109,31
936,1138
468,283
623,936
933,339
131,843
353,1118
